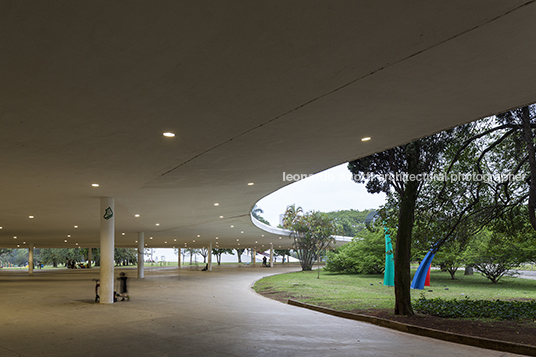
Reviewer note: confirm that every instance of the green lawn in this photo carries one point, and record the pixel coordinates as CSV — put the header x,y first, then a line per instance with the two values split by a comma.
x,y
357,292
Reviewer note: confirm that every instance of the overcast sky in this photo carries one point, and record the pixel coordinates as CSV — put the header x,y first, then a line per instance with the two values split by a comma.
x,y
330,190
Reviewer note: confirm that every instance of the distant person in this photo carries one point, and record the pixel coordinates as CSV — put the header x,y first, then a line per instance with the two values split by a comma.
x,y
264,261
97,286
123,287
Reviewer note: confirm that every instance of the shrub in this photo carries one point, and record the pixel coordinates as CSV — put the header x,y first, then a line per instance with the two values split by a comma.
x,y
360,256
498,309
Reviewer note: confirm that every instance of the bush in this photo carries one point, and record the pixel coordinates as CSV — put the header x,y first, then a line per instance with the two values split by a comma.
x,y
360,256
498,309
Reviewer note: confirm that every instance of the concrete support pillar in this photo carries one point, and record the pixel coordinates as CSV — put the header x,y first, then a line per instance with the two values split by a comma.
x,y
89,257
179,257
30,259
141,255
107,242
209,256
271,255
252,252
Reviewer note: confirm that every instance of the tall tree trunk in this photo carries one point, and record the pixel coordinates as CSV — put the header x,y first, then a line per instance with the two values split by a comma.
x,y
529,141
403,238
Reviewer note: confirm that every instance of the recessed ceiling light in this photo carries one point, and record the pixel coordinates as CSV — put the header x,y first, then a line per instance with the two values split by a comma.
x,y
232,226
216,204
150,237
250,183
366,138
216,237
76,243
30,217
123,233
136,215
68,236
14,237
238,243
23,242
136,241
146,244
157,224
238,240
241,231
221,216
198,236
65,240
75,226
256,242
262,235
18,245
95,184
193,240
168,134
1,228
165,241
175,239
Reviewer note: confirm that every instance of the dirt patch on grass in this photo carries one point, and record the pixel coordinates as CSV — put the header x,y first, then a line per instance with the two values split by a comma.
x,y
508,331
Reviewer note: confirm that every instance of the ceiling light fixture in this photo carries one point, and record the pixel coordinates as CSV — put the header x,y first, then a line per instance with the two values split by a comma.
x,y
158,224
95,184
168,134
75,226
366,138
30,217
250,184
136,215
216,204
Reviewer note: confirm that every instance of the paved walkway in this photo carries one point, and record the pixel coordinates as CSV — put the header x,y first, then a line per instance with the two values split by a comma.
x,y
188,313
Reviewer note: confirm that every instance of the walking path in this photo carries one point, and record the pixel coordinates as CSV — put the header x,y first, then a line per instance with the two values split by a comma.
x,y
185,312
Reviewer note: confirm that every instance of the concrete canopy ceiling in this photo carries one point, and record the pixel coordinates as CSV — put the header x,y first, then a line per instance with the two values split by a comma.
x,y
251,88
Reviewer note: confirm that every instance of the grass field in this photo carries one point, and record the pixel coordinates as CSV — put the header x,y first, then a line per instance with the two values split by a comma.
x,y
361,292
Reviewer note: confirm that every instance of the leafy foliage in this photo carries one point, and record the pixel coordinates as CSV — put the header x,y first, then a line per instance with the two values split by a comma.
x,y
218,252
498,309
256,213
351,221
312,232
360,256
494,255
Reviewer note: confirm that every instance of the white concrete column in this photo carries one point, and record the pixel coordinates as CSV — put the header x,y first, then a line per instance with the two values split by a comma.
x,y
141,256
30,259
252,252
107,242
179,256
271,255
209,256
89,257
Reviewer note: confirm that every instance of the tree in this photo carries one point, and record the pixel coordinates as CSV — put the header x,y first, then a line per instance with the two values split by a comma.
x,y
239,252
364,255
282,253
495,255
204,253
401,169
256,213
312,232
351,221
450,257
52,256
192,252
218,252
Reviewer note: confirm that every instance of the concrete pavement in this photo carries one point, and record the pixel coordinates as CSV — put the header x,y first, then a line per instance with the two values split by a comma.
x,y
184,313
